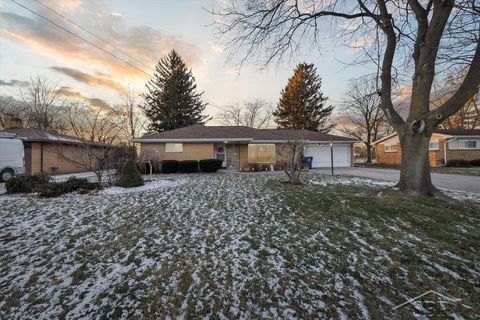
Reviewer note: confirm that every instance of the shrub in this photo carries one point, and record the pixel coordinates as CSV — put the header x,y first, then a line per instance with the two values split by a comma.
x,y
475,163
27,184
458,163
188,166
55,189
130,176
210,165
169,166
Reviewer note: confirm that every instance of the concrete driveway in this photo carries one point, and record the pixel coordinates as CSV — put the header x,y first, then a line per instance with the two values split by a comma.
x,y
440,180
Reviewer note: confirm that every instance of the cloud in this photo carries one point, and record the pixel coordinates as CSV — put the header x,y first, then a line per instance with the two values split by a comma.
x,y
14,83
99,79
143,44
71,93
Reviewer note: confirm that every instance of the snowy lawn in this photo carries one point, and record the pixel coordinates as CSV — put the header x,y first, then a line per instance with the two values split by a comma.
x,y
237,246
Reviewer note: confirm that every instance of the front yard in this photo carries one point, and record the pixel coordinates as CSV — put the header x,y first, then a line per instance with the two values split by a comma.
x,y
238,246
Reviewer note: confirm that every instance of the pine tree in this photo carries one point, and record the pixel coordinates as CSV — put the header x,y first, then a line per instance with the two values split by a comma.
x,y
301,104
172,100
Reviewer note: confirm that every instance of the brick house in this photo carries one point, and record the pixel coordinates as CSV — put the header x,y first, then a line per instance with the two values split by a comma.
x,y
444,145
50,152
240,146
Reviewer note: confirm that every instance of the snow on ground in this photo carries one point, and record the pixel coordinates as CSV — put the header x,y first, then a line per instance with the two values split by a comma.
x,y
153,184
227,246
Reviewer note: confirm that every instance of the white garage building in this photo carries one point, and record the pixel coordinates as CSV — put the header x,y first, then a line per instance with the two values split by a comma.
x,y
322,155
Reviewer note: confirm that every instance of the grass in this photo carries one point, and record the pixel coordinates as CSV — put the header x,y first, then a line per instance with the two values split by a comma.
x,y
470,171
239,246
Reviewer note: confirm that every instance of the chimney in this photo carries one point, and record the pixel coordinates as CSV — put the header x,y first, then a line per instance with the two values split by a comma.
x,y
11,122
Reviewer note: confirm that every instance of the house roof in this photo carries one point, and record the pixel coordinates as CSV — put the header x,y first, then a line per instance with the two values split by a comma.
x,y
447,132
238,133
37,135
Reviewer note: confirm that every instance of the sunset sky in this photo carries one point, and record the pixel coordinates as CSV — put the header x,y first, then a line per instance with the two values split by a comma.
x,y
146,30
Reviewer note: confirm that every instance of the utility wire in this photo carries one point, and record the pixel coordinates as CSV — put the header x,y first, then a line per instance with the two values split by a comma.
x,y
92,44
92,34
81,38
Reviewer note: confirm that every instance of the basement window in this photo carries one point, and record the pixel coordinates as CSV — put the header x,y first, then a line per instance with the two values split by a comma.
x,y
261,153
173,147
392,148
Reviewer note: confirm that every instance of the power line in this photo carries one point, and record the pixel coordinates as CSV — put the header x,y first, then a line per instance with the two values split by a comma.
x,y
92,34
81,38
92,44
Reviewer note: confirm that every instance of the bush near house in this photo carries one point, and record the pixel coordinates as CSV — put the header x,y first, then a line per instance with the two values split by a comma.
x,y
475,163
458,163
56,189
169,166
210,165
130,176
27,184
187,166
42,184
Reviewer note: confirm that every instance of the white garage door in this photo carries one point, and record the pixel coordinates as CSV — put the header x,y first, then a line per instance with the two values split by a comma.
x,y
321,155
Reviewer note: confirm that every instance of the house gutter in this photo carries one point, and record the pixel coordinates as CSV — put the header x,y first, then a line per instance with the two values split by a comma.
x,y
445,150
233,140
192,140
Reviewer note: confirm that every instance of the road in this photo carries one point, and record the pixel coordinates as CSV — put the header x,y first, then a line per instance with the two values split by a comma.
x,y
440,180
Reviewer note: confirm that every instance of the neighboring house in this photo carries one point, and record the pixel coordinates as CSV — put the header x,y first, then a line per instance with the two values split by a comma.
x,y
51,152
239,146
444,145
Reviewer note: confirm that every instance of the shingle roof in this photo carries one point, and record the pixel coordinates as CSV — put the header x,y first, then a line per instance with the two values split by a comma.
x,y
37,135
459,132
448,132
240,132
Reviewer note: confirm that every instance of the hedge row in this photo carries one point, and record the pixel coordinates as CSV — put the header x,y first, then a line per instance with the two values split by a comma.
x,y
463,163
191,166
42,184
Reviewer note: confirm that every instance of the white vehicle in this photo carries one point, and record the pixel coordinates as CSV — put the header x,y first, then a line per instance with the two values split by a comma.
x,y
12,157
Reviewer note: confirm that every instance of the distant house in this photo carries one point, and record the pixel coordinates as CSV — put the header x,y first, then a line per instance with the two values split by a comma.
x,y
240,146
50,152
444,145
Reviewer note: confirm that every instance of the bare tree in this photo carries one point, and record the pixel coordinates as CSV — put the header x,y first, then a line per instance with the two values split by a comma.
x,y
43,105
255,114
468,117
92,157
411,38
292,152
10,107
94,123
366,120
135,122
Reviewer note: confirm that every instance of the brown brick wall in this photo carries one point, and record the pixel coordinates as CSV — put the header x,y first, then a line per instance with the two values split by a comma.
x,y
463,154
191,151
393,158
436,157
243,148
51,158
233,156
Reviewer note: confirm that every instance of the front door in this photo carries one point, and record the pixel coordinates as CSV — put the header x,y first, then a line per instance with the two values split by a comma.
x,y
221,153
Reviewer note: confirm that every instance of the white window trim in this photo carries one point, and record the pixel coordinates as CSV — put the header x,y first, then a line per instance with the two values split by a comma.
x,y
180,149
391,146
436,148
466,141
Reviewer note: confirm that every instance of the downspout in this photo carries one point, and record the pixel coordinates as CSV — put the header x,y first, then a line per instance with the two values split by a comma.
x,y
445,150
41,157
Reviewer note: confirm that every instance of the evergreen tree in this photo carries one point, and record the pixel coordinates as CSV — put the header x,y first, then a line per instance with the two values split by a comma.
x,y
172,100
301,104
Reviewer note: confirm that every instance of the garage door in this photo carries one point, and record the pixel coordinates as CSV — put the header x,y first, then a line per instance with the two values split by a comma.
x,y
321,155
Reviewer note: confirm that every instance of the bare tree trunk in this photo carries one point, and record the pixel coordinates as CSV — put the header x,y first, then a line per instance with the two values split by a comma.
x,y
369,152
415,170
